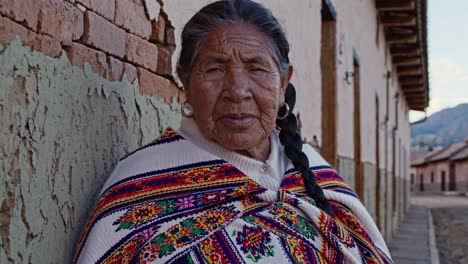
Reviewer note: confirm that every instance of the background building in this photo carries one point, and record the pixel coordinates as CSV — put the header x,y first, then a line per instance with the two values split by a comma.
x,y
442,170
85,81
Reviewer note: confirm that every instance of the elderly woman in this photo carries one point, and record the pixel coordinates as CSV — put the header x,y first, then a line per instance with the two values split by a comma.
x,y
234,184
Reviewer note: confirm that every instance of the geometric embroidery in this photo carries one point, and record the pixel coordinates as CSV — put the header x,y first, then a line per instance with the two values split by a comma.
x,y
140,215
254,242
292,220
335,231
188,231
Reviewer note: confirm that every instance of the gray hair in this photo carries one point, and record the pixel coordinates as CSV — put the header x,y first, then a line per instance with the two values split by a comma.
x,y
225,12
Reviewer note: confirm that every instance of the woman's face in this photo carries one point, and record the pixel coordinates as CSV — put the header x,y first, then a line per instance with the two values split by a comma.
x,y
235,88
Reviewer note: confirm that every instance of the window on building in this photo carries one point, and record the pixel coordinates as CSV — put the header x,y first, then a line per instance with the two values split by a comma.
x,y
412,178
432,177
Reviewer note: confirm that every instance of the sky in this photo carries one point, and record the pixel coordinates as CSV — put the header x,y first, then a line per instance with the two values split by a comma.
x,y
448,55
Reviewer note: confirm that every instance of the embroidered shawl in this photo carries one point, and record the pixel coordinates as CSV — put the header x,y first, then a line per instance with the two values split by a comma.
x,y
203,210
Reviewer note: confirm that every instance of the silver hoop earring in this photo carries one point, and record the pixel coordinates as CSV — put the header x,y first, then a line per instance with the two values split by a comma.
x,y
187,109
286,112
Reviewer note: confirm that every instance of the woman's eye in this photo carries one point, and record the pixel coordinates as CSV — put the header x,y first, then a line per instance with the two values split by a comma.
x,y
257,70
254,68
216,69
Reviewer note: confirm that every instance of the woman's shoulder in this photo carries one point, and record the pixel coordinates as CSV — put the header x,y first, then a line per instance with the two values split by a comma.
x,y
315,159
170,150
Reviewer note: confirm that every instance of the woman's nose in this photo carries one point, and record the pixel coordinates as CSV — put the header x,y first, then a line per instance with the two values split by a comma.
x,y
237,86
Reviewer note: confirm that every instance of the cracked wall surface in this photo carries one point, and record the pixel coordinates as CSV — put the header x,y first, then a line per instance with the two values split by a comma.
x,y
62,129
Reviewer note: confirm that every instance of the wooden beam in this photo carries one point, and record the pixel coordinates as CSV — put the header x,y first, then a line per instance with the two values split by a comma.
x,y
421,103
415,96
398,21
395,4
400,30
413,92
409,70
403,60
413,102
413,87
397,38
405,50
411,80
418,107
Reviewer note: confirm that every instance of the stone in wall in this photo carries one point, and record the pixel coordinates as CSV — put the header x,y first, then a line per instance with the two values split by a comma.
x,y
62,129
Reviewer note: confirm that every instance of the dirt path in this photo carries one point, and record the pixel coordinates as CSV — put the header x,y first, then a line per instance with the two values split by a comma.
x,y
450,213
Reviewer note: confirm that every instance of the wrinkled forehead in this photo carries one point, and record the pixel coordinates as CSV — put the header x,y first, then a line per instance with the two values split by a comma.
x,y
238,39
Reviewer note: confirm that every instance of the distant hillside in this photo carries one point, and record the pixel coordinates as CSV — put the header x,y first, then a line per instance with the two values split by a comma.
x,y
442,128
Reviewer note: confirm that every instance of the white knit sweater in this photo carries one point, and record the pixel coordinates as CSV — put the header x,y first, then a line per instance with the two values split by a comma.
x,y
268,173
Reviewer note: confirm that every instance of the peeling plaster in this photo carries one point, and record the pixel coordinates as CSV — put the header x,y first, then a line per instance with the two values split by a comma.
x,y
62,129
152,9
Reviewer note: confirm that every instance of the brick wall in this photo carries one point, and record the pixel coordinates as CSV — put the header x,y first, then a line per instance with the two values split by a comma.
x,y
116,37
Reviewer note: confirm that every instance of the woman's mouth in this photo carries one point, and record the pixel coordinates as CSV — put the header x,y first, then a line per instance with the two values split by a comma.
x,y
237,120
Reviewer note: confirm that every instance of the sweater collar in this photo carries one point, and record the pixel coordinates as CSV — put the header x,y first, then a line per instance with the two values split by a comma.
x,y
276,161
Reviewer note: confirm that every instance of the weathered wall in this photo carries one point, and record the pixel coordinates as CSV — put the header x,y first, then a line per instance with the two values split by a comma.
x,y
62,130
82,83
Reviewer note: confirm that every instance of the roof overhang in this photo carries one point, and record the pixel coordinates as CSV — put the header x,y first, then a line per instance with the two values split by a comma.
x,y
405,26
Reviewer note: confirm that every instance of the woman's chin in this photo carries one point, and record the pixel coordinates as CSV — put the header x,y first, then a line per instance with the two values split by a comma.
x,y
242,141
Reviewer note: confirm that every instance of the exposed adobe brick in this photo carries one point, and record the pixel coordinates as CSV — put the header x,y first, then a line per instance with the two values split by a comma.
x,y
79,54
61,20
41,43
103,35
132,17
130,71
115,69
47,45
158,30
9,30
164,62
105,8
170,36
182,97
141,52
157,86
25,12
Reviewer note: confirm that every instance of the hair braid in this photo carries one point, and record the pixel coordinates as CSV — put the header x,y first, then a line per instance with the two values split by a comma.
x,y
292,142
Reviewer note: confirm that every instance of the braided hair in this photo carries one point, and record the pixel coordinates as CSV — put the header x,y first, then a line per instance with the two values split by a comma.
x,y
224,12
292,143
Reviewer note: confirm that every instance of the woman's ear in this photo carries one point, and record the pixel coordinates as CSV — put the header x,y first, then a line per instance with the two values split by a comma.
x,y
286,78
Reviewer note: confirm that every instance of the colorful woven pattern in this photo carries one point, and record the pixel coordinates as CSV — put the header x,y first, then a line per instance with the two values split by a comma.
x,y
210,212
